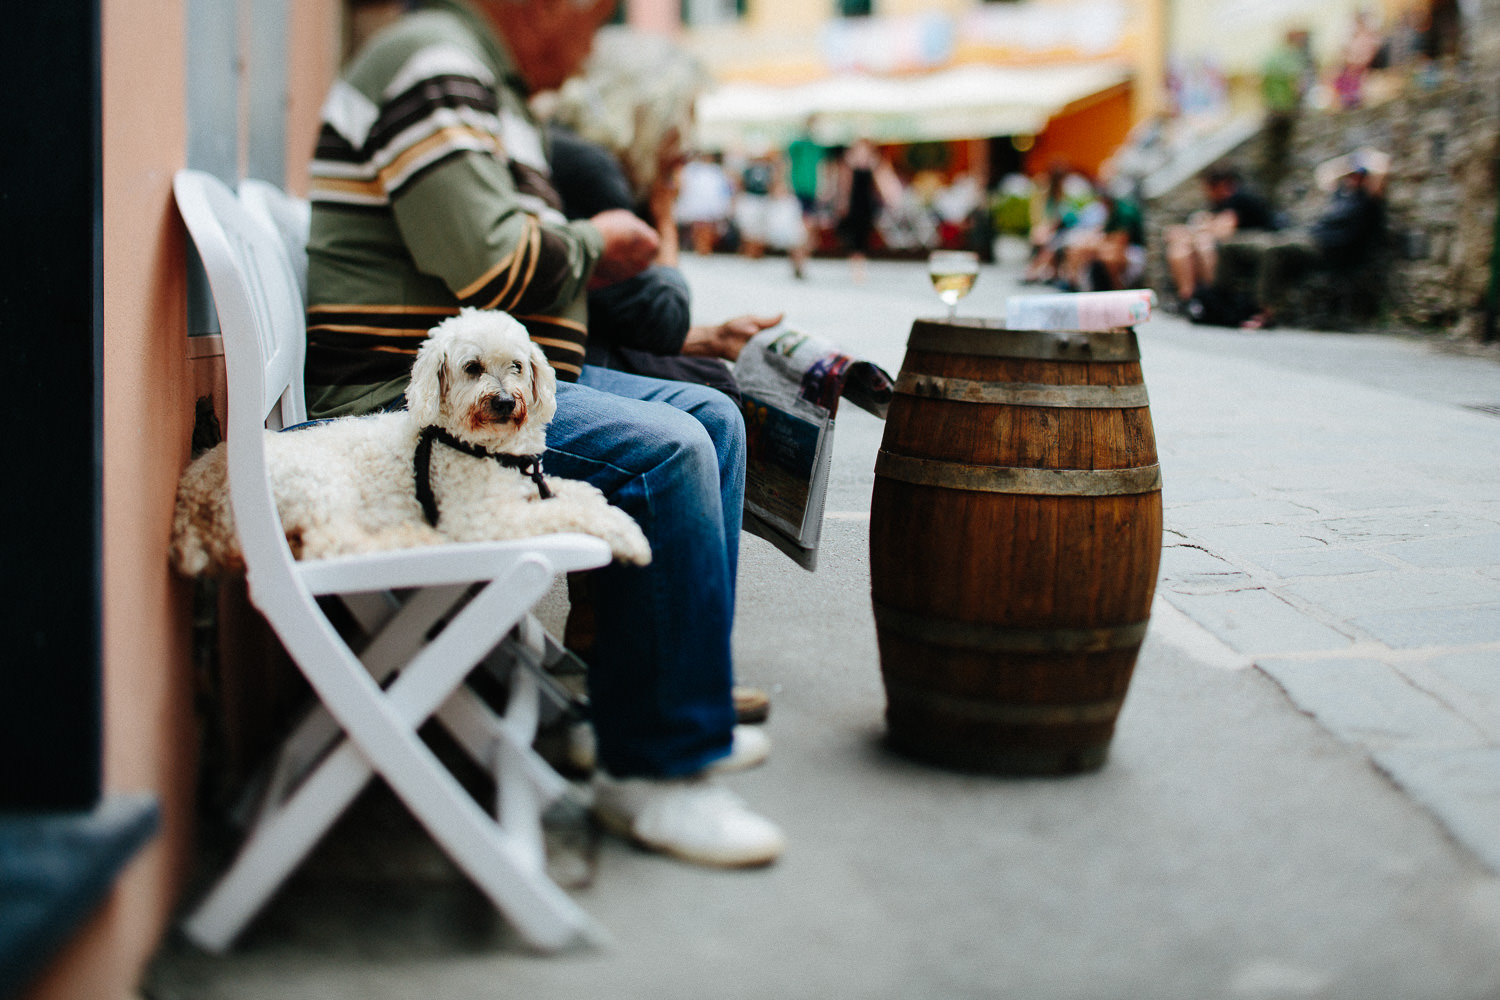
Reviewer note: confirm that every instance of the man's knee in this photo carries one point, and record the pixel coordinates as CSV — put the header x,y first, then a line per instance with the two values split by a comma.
x,y
721,416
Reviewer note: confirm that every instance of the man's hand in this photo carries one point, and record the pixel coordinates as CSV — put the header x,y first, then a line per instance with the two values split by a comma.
x,y
728,338
629,247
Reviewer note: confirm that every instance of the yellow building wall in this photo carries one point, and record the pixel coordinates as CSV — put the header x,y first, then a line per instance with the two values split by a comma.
x,y
150,730
1237,36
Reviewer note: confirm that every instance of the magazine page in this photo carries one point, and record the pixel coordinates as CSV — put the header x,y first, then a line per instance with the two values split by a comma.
x,y
786,475
791,383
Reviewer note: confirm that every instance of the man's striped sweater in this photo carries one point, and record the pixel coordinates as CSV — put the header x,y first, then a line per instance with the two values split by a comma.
x,y
430,192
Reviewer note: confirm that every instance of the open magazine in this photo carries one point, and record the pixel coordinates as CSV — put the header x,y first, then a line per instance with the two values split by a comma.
x,y
791,383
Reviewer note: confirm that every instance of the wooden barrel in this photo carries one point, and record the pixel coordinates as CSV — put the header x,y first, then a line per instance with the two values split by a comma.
x,y
1015,536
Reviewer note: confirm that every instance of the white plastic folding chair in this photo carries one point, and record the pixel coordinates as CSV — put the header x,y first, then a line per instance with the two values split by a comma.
x,y
289,217
458,603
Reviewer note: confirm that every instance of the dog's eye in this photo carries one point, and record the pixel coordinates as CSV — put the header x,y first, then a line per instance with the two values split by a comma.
x,y
474,368
515,366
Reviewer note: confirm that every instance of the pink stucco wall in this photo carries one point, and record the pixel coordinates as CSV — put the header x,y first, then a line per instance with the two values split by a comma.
x,y
150,732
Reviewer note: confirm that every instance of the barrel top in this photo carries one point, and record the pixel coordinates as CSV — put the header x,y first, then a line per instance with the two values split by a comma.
x,y
992,338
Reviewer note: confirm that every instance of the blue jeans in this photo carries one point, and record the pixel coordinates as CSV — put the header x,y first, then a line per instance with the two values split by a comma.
x,y
672,455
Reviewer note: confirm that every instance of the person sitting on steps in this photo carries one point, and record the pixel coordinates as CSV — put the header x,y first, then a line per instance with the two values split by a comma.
x,y
1340,239
1192,248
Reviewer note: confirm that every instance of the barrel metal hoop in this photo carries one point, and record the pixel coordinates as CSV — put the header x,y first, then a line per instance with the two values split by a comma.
x,y
963,390
1022,481
1046,345
985,637
1004,713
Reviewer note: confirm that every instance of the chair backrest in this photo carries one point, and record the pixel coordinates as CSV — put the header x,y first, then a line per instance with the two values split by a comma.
x,y
289,215
262,320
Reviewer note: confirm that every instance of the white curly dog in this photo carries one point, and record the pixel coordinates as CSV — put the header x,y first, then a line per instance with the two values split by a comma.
x,y
462,463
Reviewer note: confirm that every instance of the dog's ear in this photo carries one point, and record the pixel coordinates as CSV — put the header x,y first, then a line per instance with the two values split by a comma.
x,y
429,378
543,385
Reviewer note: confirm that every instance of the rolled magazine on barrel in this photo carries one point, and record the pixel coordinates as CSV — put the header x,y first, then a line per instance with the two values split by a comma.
x,y
1080,310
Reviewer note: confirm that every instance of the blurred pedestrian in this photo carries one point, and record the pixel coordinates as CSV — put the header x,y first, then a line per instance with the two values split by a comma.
x,y
865,179
1285,79
1358,56
1058,203
705,201
752,200
1343,236
1114,256
805,156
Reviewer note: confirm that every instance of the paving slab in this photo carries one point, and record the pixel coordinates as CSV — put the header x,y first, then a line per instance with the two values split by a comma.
x,y
1458,786
1435,627
1478,549
1318,562
1371,703
1255,620
1392,591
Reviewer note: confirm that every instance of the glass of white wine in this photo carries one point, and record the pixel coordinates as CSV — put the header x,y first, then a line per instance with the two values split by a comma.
x,y
953,273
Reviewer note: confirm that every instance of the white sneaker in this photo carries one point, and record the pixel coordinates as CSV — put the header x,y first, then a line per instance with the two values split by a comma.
x,y
691,819
750,748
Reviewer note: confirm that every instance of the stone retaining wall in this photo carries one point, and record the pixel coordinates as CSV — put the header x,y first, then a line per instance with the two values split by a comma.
x,y
1441,195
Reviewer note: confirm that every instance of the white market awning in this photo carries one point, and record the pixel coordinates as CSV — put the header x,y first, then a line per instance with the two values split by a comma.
x,y
966,102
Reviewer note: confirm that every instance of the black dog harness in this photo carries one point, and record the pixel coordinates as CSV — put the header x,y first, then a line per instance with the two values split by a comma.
x,y
529,465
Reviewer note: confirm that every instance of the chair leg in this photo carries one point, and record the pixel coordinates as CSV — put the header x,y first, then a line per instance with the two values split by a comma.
x,y
479,732
290,825
382,729
475,728
282,837
544,915
397,630
520,797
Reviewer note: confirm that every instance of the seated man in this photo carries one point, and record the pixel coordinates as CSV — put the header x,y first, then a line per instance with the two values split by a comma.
x,y
1193,247
430,192
1341,238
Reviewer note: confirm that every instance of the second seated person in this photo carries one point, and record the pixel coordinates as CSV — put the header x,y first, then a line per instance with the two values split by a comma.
x,y
430,192
619,134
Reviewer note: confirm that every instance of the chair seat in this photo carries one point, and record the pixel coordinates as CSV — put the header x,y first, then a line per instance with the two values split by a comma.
x,y
443,565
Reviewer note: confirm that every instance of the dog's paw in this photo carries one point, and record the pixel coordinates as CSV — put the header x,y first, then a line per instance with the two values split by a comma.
x,y
624,535
629,544
582,507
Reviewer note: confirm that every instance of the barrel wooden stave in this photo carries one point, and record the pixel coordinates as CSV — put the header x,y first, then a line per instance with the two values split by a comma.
x,y
1022,436
1034,540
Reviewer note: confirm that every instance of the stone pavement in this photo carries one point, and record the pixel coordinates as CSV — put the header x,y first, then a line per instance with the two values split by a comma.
x,y
1302,798
1350,551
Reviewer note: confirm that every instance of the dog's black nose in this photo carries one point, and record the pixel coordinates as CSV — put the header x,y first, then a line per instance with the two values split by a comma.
x,y
502,407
